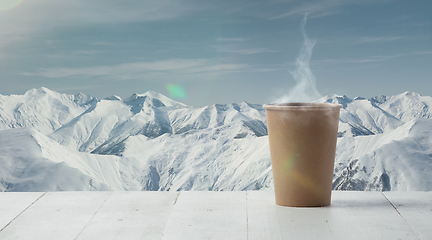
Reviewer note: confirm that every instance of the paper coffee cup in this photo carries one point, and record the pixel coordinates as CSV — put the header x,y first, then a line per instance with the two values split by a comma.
x,y
302,138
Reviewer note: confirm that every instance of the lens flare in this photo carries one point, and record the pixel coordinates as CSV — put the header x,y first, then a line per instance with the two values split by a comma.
x,y
298,177
305,182
9,4
289,162
176,91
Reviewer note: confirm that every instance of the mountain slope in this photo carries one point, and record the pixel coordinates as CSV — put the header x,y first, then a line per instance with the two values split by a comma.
x,y
32,162
56,141
104,127
41,109
401,159
202,160
379,114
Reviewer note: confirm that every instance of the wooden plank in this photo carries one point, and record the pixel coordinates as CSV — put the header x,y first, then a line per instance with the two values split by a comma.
x,y
14,203
416,209
266,220
131,215
208,215
213,215
365,215
57,215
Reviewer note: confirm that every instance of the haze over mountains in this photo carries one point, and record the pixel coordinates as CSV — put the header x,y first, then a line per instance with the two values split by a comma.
x,y
53,142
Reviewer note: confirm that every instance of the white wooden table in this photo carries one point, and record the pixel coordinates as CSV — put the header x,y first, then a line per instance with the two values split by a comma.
x,y
212,215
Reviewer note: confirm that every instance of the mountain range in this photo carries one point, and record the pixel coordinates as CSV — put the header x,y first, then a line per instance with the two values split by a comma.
x,y
56,142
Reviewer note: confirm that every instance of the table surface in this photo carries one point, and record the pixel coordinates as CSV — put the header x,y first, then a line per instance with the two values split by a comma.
x,y
212,215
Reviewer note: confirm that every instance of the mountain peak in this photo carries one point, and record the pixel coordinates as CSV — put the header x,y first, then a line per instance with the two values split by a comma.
x,y
382,142
39,91
336,99
379,99
410,94
113,98
156,99
154,94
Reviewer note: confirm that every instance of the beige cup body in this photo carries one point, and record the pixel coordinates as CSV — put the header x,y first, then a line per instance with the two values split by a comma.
x,y
302,147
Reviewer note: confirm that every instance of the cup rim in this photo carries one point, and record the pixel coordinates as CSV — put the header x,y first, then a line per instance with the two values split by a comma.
x,y
302,106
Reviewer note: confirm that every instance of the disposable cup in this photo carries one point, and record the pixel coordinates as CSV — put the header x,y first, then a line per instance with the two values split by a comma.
x,y
302,139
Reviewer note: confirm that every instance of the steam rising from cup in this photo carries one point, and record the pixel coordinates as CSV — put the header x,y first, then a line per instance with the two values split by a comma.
x,y
305,89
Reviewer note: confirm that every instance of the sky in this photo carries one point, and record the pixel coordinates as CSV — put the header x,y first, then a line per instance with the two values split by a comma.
x,y
207,52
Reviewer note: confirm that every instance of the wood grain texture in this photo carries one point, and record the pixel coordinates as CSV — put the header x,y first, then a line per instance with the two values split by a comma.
x,y
365,215
208,215
266,220
212,215
131,215
14,203
416,209
58,215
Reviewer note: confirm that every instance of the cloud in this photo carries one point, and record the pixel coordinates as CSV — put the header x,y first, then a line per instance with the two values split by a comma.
x,y
43,16
378,39
169,68
354,60
38,17
245,51
232,39
86,52
367,39
423,53
316,8
371,59
234,45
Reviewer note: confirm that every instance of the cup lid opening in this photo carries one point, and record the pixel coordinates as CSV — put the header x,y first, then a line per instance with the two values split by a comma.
x,y
302,106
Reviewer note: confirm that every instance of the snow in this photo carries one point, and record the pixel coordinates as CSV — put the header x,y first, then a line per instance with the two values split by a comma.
x,y
32,162
398,160
51,142
41,109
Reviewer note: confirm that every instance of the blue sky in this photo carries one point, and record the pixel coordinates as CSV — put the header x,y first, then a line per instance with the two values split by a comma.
x,y
221,51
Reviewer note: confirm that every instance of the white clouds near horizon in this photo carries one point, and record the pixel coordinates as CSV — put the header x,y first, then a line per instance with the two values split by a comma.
x,y
375,58
136,69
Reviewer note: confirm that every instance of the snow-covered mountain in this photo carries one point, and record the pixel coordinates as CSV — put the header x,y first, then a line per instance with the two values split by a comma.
x,y
53,141
30,161
41,109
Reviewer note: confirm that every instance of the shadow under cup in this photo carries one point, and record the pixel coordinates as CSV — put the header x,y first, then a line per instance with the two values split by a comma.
x,y
302,138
